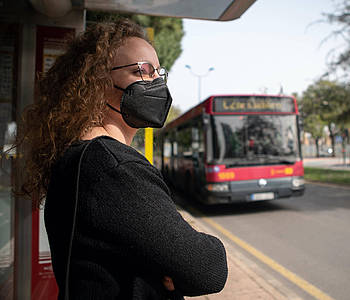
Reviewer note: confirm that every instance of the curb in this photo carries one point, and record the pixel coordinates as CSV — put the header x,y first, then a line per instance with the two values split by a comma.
x,y
246,279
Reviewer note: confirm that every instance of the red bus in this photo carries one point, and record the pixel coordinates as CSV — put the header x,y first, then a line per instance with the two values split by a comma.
x,y
233,148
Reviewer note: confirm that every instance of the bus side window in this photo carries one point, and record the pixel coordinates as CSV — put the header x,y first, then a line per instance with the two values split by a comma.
x,y
167,147
175,148
173,139
184,138
195,139
198,139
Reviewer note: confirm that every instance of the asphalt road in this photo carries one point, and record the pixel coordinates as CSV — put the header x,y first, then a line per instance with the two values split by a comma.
x,y
309,235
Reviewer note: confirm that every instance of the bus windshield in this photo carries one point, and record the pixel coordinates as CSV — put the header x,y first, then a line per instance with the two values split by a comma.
x,y
255,139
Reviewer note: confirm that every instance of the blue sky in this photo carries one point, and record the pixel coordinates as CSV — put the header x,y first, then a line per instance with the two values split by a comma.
x,y
274,44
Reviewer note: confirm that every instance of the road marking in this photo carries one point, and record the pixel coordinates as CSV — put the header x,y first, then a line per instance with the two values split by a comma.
x,y
303,284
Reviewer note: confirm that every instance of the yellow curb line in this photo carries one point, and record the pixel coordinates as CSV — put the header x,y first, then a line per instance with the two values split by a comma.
x,y
303,284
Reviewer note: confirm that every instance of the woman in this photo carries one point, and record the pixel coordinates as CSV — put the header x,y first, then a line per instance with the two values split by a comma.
x,y
124,238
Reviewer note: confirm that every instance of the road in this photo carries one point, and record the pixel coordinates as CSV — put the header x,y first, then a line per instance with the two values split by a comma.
x,y
309,236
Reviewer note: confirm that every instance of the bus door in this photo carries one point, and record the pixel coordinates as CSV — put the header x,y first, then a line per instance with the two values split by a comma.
x,y
166,155
174,155
185,151
198,156
207,123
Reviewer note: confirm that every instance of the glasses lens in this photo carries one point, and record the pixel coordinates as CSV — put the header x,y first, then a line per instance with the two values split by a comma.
x,y
147,71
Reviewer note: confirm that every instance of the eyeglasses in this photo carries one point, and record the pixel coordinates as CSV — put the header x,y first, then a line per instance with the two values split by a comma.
x,y
147,71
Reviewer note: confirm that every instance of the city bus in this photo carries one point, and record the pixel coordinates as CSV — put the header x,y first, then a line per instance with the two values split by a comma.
x,y
233,148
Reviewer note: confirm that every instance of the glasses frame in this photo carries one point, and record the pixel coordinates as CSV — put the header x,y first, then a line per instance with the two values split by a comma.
x,y
140,63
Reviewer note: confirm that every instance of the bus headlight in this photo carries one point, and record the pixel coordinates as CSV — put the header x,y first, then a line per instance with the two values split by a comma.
x,y
298,181
218,187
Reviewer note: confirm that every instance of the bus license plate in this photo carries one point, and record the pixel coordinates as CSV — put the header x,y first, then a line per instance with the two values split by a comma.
x,y
262,196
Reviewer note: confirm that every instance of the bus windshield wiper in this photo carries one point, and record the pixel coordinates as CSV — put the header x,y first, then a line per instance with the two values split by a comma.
x,y
243,164
281,161
232,165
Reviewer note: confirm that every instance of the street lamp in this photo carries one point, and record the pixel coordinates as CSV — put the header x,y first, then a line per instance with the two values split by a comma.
x,y
199,76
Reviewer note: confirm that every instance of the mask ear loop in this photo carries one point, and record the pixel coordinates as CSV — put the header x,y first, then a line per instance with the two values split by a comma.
x,y
119,88
110,106
113,108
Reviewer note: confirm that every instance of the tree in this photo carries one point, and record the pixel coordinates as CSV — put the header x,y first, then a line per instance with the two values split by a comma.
x,y
174,112
314,125
168,33
323,104
341,18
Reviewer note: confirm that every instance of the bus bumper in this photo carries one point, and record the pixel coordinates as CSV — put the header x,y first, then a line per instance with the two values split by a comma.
x,y
250,191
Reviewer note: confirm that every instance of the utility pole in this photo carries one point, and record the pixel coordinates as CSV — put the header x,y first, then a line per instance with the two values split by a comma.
x,y
199,76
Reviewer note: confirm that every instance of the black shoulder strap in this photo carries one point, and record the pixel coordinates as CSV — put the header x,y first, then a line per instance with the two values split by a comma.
x,y
66,292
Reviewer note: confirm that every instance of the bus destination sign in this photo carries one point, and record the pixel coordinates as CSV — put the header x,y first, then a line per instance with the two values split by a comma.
x,y
234,104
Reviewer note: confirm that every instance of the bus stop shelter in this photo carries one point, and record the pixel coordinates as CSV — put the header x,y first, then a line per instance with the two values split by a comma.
x,y
32,36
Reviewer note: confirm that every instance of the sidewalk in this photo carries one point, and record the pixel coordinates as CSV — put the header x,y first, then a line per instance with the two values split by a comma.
x,y
246,281
334,163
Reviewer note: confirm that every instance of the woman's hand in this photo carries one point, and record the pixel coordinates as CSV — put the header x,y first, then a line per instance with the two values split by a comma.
x,y
168,283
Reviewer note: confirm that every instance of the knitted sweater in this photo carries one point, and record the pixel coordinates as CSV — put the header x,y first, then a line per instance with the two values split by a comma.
x,y
128,233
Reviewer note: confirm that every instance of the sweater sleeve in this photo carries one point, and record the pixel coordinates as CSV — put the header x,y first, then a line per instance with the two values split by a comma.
x,y
136,209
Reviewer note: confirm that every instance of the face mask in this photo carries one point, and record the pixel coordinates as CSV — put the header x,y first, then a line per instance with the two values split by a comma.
x,y
145,104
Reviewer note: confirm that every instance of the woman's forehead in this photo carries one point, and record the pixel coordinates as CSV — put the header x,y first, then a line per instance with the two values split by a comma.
x,y
136,49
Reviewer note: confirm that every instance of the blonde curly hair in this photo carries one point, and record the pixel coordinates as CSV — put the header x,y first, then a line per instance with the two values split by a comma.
x,y
70,101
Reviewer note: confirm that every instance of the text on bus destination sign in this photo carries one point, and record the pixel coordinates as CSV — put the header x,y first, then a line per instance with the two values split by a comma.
x,y
253,104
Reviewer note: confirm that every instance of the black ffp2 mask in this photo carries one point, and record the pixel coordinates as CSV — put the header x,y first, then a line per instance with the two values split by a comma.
x,y
145,103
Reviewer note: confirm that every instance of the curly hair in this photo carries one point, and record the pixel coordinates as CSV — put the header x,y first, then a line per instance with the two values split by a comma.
x,y
70,101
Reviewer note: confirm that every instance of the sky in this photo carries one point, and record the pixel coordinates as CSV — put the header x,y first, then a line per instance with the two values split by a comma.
x,y
274,45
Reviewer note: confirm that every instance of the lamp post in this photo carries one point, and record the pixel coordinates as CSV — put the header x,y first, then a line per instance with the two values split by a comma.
x,y
199,76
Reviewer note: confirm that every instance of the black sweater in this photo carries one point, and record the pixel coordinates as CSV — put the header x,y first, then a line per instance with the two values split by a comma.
x,y
128,233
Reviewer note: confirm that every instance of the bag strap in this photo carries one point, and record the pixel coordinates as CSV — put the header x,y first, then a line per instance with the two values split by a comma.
x,y
66,293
